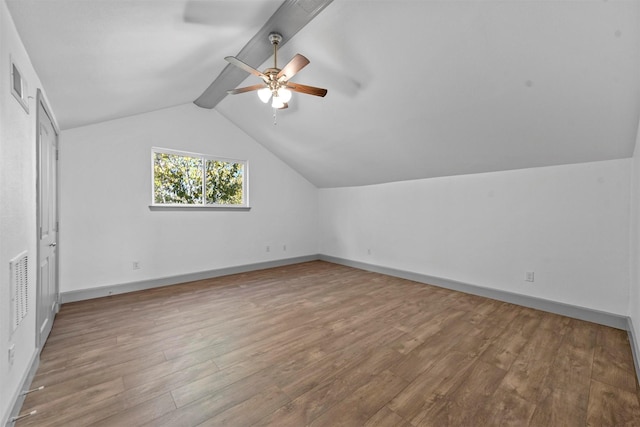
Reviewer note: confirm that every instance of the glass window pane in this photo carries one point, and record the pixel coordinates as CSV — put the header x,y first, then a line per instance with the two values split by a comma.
x,y
224,183
177,179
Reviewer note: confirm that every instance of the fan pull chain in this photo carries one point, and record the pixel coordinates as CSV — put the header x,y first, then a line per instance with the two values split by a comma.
x,y
275,121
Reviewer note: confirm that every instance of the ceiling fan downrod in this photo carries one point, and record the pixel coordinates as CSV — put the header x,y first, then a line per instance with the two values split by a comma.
x,y
275,39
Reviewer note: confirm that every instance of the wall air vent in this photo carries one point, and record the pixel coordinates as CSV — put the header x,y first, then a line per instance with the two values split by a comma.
x,y
19,267
19,86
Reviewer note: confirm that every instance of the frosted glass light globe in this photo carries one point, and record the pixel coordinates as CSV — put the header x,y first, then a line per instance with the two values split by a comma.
x,y
277,102
284,95
264,94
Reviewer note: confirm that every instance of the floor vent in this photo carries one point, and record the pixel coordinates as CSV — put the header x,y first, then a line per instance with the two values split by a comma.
x,y
19,285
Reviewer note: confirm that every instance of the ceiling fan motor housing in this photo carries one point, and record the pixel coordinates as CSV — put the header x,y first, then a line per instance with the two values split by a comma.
x,y
275,38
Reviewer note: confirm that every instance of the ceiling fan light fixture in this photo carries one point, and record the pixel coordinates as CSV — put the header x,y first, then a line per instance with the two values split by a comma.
x,y
284,95
275,81
277,102
264,94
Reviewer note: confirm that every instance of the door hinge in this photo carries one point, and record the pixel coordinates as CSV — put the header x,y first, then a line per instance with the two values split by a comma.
x,y
57,151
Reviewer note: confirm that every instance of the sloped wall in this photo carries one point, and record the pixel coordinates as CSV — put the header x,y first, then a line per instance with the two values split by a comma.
x,y
105,192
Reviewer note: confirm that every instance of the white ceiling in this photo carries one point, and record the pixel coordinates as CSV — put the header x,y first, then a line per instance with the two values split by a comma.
x,y
417,89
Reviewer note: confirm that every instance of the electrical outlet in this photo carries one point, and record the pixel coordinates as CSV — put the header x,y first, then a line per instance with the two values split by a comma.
x,y
12,354
284,248
369,251
268,248
528,276
136,265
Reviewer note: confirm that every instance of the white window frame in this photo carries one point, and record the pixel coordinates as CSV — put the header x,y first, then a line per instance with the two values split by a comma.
x,y
204,157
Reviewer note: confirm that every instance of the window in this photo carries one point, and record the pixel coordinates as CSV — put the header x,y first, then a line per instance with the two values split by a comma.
x,y
190,179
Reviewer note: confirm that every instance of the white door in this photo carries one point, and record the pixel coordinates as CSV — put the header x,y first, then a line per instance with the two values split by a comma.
x,y
47,296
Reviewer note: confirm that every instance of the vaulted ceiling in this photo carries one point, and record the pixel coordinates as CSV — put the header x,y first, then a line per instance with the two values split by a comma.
x,y
417,89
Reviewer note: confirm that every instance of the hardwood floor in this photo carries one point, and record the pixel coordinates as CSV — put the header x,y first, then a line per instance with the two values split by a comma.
x,y
326,345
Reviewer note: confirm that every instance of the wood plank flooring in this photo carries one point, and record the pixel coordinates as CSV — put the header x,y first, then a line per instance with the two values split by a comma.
x,y
320,344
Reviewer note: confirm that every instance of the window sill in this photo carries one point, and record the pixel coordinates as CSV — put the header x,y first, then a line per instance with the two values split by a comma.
x,y
197,207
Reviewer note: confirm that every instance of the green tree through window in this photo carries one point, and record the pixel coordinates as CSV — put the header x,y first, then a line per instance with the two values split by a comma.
x,y
224,182
178,180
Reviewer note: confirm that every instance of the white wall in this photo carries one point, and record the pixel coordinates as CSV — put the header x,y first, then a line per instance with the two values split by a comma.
x,y
634,297
106,223
568,224
17,207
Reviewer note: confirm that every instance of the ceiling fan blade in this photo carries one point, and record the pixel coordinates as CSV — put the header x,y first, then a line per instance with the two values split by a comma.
x,y
249,69
296,64
309,90
246,89
284,106
291,16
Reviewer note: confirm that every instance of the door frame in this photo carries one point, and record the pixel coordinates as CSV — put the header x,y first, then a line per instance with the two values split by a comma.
x,y
40,101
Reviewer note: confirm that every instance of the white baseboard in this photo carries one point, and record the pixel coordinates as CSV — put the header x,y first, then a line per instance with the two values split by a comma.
x,y
105,291
18,397
590,315
633,340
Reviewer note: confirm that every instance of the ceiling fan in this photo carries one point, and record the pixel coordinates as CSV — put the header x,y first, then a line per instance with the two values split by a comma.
x,y
276,85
